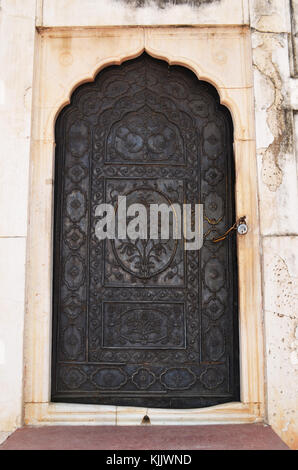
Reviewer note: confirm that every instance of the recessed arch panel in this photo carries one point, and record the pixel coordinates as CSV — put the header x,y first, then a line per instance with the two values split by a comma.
x,y
134,324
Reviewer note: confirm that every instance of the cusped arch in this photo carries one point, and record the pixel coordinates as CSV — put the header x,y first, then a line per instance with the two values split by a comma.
x,y
215,83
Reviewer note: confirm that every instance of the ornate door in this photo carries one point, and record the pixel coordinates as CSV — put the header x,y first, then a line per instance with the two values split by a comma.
x,y
136,326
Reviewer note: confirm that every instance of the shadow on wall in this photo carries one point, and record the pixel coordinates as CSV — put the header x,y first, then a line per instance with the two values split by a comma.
x,y
166,3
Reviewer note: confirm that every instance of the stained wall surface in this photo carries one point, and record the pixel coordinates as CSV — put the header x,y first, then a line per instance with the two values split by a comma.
x,y
17,35
274,48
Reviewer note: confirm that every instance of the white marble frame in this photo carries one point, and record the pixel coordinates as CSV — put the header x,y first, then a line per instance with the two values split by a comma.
x,y
66,58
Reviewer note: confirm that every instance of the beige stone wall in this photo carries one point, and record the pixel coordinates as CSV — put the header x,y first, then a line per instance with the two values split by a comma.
x,y
274,60
152,12
275,105
16,77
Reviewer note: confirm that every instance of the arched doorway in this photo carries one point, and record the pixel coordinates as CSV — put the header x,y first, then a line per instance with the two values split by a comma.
x,y
166,336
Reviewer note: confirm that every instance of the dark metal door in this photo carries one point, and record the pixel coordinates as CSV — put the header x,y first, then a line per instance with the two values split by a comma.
x,y
160,332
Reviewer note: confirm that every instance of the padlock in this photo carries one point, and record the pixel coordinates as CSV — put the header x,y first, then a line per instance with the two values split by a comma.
x,y
242,228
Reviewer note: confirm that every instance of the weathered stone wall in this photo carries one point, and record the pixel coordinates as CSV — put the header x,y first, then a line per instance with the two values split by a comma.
x,y
275,104
274,25
142,12
17,34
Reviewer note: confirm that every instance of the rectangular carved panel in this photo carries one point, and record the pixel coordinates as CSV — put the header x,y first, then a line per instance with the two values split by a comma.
x,y
143,325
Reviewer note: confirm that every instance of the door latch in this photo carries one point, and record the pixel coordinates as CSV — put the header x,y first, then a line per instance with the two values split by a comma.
x,y
240,225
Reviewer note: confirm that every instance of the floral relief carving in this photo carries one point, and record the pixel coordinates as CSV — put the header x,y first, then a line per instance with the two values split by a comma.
x,y
143,326
143,379
145,135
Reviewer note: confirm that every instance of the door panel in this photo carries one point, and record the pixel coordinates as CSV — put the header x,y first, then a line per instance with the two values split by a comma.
x,y
145,323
